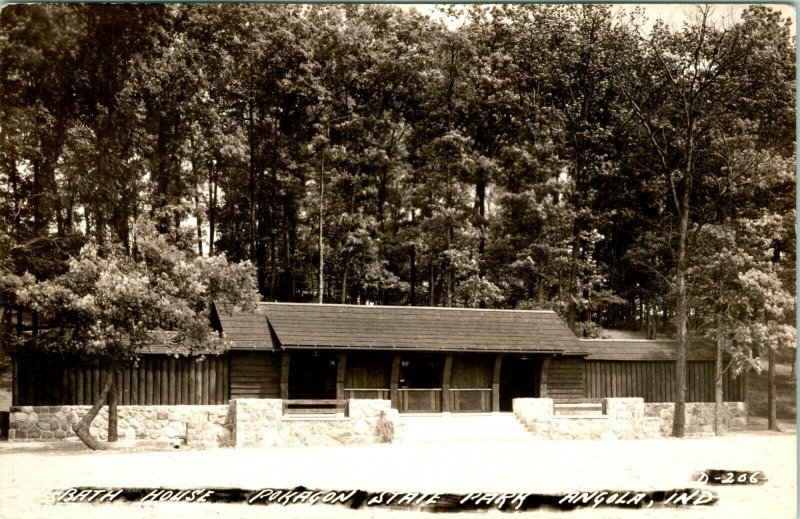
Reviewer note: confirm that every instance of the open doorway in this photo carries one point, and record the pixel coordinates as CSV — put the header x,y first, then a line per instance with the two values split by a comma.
x,y
312,376
520,377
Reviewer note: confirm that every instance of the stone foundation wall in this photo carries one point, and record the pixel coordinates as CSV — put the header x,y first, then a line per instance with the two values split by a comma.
x,y
186,424
241,423
699,416
261,423
625,418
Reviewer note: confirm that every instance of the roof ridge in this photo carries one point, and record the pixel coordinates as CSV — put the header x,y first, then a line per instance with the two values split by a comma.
x,y
338,305
625,340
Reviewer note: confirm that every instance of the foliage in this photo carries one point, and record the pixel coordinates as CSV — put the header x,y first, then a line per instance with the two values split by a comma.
x,y
531,156
109,304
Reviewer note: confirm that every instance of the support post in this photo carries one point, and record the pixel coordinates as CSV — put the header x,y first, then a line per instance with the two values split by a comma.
x,y
543,380
498,363
394,391
448,370
340,371
285,359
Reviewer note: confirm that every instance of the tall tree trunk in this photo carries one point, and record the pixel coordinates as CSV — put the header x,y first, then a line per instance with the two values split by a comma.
x,y
13,174
680,321
449,272
112,409
480,203
37,200
273,234
212,208
382,188
572,288
290,230
251,191
81,428
718,374
540,291
273,270
69,213
343,299
321,223
431,280
261,257
199,218
651,323
413,276
480,215
52,195
772,403
197,212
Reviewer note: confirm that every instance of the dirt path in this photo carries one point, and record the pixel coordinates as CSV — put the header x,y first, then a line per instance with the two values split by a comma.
x,y
30,477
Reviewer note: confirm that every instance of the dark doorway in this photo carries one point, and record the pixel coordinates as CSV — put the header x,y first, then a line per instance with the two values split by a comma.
x,y
520,376
421,371
312,376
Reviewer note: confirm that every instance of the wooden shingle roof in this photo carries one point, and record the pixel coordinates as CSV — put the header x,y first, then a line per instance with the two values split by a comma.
x,y
247,330
313,326
643,350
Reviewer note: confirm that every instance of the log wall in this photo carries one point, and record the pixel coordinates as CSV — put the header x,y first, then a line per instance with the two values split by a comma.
x,y
655,381
565,377
166,380
255,374
156,380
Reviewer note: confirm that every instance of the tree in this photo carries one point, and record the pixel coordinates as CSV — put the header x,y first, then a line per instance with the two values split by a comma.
x,y
503,156
109,304
677,92
740,300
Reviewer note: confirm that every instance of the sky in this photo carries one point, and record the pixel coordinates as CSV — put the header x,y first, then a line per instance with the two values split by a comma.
x,y
673,13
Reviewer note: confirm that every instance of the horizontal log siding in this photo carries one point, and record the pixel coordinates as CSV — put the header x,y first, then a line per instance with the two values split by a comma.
x,y
156,380
565,378
255,375
655,381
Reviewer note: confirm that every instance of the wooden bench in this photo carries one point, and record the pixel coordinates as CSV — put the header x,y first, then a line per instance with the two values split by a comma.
x,y
579,407
299,407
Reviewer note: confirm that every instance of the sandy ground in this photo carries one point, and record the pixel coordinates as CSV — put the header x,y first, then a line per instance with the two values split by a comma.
x,y
32,473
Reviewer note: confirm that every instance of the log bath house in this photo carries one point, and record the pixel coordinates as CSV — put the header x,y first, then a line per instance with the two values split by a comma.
x,y
293,368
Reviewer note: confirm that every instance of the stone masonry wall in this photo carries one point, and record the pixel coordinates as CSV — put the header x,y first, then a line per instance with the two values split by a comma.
x,y
241,423
206,425
534,413
261,423
699,416
625,418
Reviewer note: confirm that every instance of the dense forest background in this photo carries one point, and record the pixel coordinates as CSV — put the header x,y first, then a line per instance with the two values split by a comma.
x,y
564,157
